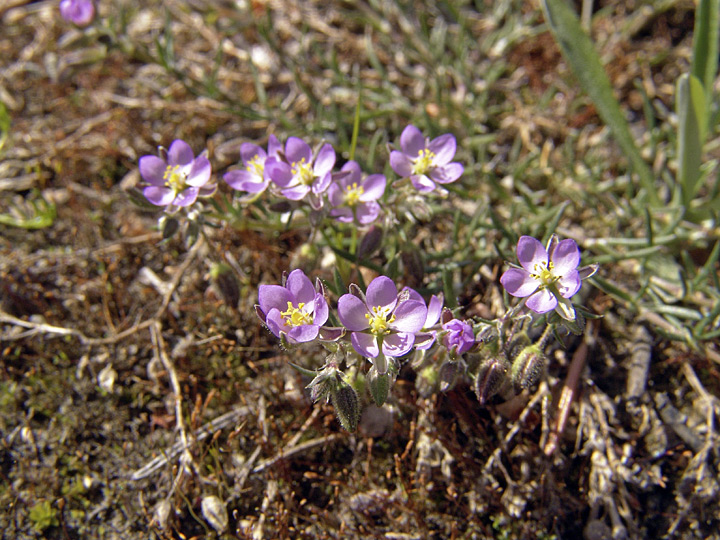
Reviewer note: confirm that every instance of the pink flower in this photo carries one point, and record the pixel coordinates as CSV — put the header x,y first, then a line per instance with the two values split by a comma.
x,y
296,309
383,321
426,162
177,179
254,178
80,12
354,199
547,276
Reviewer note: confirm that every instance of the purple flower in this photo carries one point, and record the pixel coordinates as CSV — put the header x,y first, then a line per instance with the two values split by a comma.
x,y
301,172
80,12
382,321
459,338
254,178
296,309
548,277
178,179
426,337
354,199
426,162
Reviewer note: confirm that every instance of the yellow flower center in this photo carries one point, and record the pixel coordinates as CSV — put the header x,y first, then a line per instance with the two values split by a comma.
x,y
354,192
256,165
304,171
379,321
295,316
174,179
423,162
543,273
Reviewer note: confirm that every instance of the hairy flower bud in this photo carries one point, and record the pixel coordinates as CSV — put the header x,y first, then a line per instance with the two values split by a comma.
x,y
215,513
448,374
491,376
370,242
379,385
347,406
527,367
224,281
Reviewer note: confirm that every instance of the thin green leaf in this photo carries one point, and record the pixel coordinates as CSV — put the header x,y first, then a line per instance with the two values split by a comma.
x,y
692,117
705,44
580,53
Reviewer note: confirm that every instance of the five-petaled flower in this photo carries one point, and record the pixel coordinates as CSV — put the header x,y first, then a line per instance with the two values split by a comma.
x,y
426,162
300,173
80,12
384,321
548,277
254,178
297,309
178,179
354,199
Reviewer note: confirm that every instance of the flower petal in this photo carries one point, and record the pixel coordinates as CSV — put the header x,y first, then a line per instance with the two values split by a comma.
x,y
180,153
274,146
343,215
566,257
278,171
159,196
186,197
321,310
517,282
304,333
354,174
542,301
365,344
424,340
412,141
569,284
352,311
434,310
296,150
152,170
273,297
248,151
200,172
410,316
422,183
373,187
367,213
296,193
400,163
245,181
531,252
444,148
447,173
300,287
398,344
382,292
324,161
275,322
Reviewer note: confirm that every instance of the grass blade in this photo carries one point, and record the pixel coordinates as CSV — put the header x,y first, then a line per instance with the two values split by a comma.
x,y
578,50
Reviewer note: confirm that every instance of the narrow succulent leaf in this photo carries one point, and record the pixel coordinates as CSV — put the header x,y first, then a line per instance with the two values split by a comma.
x,y
578,50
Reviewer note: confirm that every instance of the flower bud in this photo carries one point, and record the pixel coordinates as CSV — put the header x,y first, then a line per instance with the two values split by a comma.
x,y
379,386
448,375
224,280
491,376
215,513
370,242
347,406
527,367
281,207
414,266
168,225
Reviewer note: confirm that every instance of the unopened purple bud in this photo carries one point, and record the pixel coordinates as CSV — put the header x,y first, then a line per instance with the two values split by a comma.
x,y
527,367
414,267
224,281
448,375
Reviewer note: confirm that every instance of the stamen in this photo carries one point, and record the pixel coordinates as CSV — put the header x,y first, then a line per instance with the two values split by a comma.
x,y
295,316
352,197
423,162
304,171
379,321
256,165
